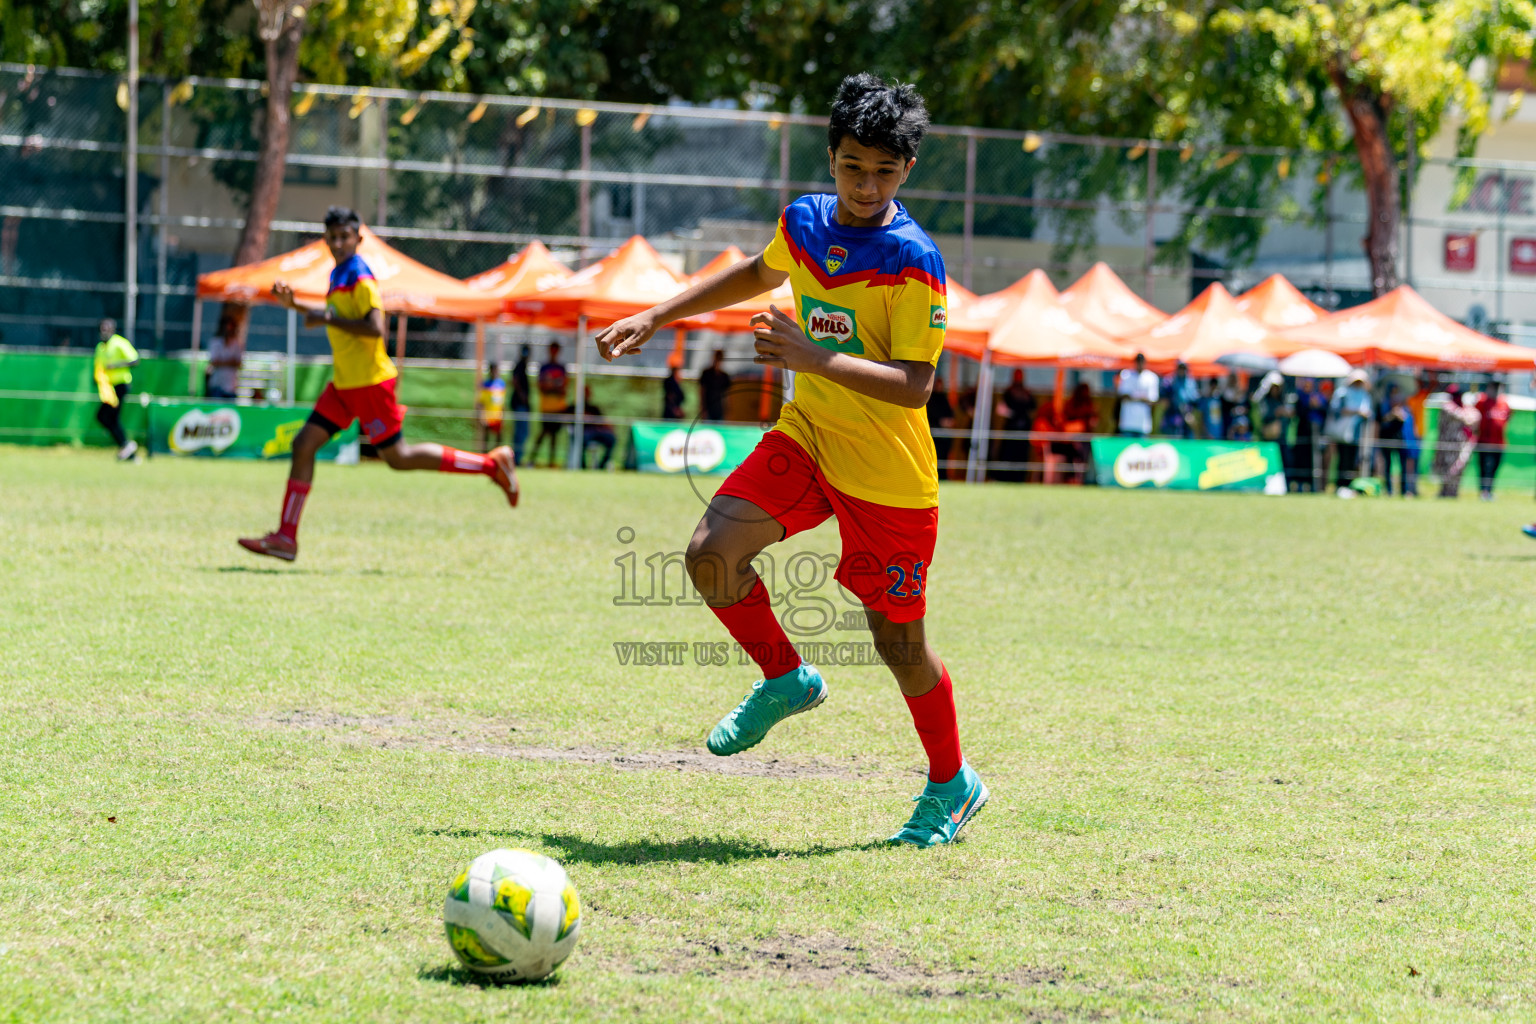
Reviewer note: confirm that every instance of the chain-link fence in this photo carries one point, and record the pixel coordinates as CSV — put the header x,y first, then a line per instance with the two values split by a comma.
x,y
458,181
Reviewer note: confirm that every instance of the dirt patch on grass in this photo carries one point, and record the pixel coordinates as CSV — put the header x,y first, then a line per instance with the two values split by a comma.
x,y
402,732
826,960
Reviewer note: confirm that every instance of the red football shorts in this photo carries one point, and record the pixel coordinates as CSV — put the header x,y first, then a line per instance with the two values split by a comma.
x,y
373,406
886,550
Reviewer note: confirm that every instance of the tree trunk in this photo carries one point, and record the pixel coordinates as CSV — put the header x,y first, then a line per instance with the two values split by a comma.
x,y
1368,110
272,157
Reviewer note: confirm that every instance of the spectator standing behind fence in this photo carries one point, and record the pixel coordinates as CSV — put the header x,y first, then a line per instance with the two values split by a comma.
x,y
1016,412
1273,412
1399,441
1138,392
492,400
941,416
1078,416
1310,410
672,394
1210,411
714,382
1234,407
521,403
113,370
1183,397
1455,440
1494,411
552,403
1347,413
226,353
597,431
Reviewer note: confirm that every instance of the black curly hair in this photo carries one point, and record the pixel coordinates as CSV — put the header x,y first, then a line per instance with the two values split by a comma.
x,y
342,216
885,115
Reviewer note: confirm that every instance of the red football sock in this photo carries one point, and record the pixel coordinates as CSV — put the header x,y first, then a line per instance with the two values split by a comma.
x,y
455,461
751,621
934,716
293,508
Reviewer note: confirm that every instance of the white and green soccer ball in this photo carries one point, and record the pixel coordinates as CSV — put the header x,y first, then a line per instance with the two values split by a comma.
x,y
513,915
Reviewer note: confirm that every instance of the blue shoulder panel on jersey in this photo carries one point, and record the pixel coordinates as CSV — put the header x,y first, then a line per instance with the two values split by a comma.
x,y
838,259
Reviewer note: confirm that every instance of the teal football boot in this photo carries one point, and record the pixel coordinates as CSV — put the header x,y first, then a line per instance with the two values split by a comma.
x,y
770,702
943,809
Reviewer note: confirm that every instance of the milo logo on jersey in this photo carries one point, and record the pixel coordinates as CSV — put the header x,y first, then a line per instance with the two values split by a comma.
x,y
833,327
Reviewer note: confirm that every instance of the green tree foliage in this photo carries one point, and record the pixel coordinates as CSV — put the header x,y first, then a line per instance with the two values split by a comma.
x,y
1389,65
1329,77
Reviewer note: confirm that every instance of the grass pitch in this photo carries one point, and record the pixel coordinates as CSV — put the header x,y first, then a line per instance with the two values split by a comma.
x,y
1250,759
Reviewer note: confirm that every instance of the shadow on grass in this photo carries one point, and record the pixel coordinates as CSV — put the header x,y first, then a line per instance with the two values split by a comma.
x,y
575,849
253,570
1502,558
464,978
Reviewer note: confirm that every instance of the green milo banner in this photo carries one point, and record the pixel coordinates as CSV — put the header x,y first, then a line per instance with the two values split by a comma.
x,y
237,431
673,447
1179,465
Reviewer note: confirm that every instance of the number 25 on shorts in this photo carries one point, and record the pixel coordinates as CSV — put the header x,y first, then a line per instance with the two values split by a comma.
x,y
900,581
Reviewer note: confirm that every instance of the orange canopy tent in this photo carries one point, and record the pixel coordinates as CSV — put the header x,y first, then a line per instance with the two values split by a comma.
x,y
1025,324
972,316
628,280
737,318
1205,330
1102,301
1031,327
1278,305
1400,328
406,286
529,272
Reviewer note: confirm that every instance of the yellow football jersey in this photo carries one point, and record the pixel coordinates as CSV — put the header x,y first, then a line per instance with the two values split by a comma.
x,y
356,361
875,293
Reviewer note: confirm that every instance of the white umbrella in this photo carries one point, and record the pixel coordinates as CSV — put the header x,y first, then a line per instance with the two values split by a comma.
x,y
1314,362
1253,362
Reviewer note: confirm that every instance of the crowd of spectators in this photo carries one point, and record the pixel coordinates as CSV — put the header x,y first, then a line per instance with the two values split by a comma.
x,y
1330,434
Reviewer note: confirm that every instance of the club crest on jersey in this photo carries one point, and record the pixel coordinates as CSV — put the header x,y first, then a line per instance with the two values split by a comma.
x,y
836,257
831,327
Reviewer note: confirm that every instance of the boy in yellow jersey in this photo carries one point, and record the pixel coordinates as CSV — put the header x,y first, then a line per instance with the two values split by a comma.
x,y
863,339
362,387
492,398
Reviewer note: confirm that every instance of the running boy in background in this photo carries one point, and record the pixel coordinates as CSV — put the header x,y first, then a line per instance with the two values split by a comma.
x,y
113,370
362,387
865,339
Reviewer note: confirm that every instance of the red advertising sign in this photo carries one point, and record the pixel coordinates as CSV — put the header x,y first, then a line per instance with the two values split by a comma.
x,y
1522,255
1460,252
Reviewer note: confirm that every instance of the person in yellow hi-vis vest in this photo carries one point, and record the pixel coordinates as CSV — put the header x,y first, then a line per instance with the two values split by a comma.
x,y
115,357
493,404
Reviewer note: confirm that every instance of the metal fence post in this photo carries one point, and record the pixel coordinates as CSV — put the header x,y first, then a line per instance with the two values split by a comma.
x,y
784,130
575,458
1330,299
970,211
1411,172
1498,250
293,354
981,432
1149,210
584,192
381,216
165,213
131,168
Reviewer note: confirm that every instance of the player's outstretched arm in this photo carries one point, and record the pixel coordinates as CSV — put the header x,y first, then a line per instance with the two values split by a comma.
x,y
732,285
370,326
781,342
